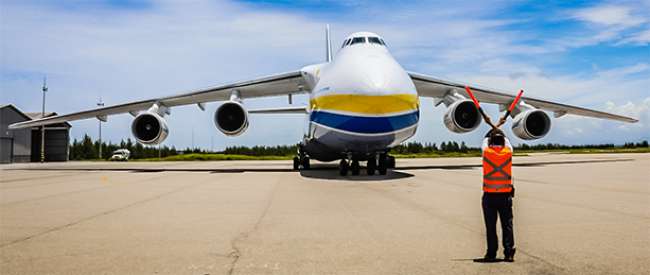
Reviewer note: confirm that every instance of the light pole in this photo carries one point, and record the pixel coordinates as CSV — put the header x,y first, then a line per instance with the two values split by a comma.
x,y
43,116
100,104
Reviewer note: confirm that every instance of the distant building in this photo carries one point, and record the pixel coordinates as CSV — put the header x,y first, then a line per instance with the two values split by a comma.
x,y
24,145
15,145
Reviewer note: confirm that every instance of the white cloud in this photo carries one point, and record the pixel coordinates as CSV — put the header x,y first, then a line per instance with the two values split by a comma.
x,y
603,131
619,23
624,71
609,15
640,38
640,110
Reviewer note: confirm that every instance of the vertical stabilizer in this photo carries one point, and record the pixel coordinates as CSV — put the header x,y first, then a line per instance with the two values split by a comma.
x,y
328,44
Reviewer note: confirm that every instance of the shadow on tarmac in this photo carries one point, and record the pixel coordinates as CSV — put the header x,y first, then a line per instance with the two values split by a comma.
x,y
333,174
480,260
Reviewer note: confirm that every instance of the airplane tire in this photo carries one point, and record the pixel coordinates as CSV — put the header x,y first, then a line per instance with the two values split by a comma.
x,y
343,167
371,166
382,164
296,163
391,162
305,163
354,168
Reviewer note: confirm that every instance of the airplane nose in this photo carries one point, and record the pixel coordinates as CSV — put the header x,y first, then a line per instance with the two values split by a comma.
x,y
380,74
376,79
375,75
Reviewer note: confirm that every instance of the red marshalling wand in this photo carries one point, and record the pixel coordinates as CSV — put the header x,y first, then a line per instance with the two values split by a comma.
x,y
485,117
512,107
478,106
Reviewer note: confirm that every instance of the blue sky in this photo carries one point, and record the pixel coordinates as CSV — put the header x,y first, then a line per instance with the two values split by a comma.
x,y
589,53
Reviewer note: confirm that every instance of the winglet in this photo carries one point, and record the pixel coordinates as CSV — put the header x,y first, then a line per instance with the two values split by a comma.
x,y
328,44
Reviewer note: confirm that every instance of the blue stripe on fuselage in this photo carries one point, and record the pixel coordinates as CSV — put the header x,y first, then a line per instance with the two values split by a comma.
x,y
365,125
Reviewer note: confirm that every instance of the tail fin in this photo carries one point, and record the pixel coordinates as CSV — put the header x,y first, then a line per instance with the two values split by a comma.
x,y
328,44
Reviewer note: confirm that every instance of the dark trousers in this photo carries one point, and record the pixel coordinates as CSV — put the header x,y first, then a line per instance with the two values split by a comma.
x,y
498,204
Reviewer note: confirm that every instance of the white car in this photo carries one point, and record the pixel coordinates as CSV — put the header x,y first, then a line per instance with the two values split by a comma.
x,y
121,155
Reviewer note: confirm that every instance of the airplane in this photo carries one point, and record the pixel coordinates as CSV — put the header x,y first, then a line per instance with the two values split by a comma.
x,y
361,104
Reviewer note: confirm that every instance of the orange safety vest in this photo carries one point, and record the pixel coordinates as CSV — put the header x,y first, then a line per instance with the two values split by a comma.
x,y
497,170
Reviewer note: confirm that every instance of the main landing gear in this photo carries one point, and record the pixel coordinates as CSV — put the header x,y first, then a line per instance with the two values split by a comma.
x,y
351,166
380,164
301,161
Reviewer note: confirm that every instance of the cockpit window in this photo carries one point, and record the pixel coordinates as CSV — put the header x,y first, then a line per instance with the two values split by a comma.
x,y
357,40
375,40
362,40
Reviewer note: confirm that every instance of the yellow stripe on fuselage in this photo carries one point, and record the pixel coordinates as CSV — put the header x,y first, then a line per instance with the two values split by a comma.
x,y
366,104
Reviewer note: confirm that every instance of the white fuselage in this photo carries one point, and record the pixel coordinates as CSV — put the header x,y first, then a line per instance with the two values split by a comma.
x,y
361,102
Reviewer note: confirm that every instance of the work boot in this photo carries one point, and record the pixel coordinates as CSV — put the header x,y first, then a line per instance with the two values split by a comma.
x,y
510,256
486,259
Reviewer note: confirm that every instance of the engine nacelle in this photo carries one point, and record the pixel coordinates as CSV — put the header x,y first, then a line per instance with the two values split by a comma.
x,y
231,118
462,117
531,124
149,128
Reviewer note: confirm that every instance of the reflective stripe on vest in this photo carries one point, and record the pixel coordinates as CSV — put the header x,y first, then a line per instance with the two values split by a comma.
x,y
497,186
497,169
497,166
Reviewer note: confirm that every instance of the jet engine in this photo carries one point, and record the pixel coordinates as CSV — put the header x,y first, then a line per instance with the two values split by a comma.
x,y
231,118
531,124
149,128
462,116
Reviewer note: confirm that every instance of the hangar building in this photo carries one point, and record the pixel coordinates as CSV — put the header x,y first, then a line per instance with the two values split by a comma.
x,y
24,145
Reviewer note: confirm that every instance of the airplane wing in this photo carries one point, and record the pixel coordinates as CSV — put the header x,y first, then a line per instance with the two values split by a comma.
x,y
274,85
428,86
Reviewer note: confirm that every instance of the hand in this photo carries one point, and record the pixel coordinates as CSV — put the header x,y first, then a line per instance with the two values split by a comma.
x,y
488,120
501,121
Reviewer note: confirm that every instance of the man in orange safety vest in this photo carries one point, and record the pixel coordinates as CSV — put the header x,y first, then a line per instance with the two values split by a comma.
x,y
498,192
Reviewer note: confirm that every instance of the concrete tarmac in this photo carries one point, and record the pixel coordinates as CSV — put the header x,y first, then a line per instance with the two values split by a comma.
x,y
574,214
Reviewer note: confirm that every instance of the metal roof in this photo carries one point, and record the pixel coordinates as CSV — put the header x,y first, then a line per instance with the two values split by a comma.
x,y
33,115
